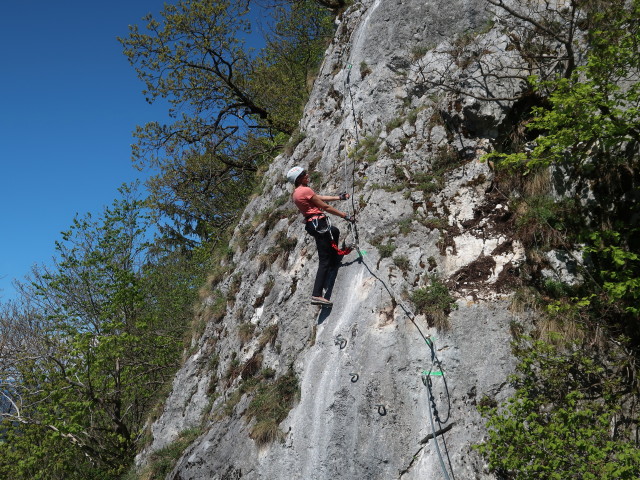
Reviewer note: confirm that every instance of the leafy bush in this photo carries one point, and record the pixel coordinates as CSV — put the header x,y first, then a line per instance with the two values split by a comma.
x,y
434,301
386,250
162,461
586,128
557,425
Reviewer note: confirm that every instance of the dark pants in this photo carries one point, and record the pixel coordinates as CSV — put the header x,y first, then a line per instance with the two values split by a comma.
x,y
328,258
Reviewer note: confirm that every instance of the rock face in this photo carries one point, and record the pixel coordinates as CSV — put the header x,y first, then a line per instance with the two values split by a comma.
x,y
375,126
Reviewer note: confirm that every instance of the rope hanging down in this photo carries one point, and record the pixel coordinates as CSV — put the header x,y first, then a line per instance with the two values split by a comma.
x,y
435,362
352,227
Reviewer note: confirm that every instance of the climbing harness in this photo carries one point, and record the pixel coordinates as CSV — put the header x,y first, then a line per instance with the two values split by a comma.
x,y
345,250
316,225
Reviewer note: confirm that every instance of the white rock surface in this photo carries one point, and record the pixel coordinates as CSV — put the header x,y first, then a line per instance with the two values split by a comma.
x,y
460,232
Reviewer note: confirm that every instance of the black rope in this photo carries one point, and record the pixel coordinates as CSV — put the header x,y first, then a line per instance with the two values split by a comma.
x,y
433,412
434,358
352,226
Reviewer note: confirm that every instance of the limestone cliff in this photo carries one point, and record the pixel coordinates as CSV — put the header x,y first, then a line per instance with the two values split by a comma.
x,y
410,153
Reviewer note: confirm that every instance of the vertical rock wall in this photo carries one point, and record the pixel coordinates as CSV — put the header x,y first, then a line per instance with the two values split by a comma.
x,y
363,411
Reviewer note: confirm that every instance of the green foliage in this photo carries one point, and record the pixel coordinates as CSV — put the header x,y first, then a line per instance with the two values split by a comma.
x,y
558,423
194,43
270,406
102,343
444,160
280,77
544,222
285,243
588,128
200,195
434,301
402,262
405,226
365,69
268,336
237,107
386,250
419,51
26,453
428,182
619,268
569,416
368,148
217,307
393,124
162,461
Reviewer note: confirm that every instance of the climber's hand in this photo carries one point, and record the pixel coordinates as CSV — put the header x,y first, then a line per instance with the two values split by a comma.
x,y
344,196
350,218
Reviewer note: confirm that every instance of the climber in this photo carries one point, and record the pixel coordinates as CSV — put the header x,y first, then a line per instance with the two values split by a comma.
x,y
318,225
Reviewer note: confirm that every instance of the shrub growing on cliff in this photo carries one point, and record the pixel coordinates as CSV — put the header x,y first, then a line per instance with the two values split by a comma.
x,y
434,301
589,129
270,406
558,424
570,415
162,461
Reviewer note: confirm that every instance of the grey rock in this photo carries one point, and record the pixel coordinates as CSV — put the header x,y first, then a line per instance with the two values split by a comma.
x,y
370,428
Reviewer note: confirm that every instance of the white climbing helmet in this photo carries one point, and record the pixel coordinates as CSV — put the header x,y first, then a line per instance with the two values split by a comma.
x,y
294,173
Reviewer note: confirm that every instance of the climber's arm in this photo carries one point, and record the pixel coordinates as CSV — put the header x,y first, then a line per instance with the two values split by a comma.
x,y
333,198
320,202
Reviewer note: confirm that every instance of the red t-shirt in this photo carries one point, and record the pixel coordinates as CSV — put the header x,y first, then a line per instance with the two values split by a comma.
x,y
302,198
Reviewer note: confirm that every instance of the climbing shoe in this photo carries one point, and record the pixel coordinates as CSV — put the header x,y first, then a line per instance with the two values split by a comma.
x,y
320,301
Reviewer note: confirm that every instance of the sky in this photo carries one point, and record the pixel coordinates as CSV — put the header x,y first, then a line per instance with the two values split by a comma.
x,y
69,102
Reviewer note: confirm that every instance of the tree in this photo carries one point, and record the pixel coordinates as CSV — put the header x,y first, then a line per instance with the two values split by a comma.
x,y
558,425
194,58
201,194
335,6
233,107
590,128
294,47
90,349
573,414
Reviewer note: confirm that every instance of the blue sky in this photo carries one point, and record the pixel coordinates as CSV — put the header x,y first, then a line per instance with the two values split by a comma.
x,y
69,101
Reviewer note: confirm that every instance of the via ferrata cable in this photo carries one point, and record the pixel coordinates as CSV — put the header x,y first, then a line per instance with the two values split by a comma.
x,y
434,359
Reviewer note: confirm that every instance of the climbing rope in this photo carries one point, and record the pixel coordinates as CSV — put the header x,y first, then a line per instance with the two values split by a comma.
x,y
435,362
433,410
433,429
352,227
